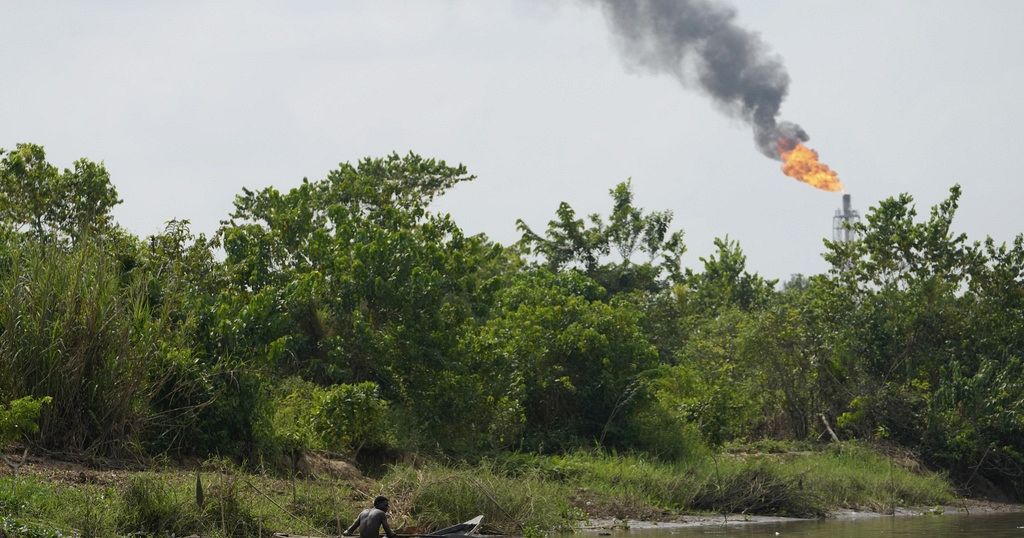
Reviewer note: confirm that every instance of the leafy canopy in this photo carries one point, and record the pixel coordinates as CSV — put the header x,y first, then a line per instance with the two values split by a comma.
x,y
50,203
570,242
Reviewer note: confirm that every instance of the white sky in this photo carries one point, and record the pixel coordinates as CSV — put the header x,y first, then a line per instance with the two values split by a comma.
x,y
187,102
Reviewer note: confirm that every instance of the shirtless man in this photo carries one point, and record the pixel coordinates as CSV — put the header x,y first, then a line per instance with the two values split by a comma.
x,y
371,520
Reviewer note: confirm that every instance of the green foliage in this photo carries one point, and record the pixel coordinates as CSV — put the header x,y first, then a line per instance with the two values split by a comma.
x,y
662,422
725,398
724,281
803,484
895,412
758,488
205,400
781,341
347,313
516,493
856,475
341,418
50,203
570,243
350,417
149,505
921,334
292,421
351,278
18,529
562,359
21,418
46,508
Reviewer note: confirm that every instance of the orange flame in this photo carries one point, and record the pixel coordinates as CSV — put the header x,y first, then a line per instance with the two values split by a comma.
x,y
801,163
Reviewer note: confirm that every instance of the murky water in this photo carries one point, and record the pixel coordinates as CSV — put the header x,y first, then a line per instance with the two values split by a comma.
x,y
985,525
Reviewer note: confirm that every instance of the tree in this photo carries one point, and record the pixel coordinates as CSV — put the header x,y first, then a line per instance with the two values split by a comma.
x,y
725,282
929,325
57,205
352,278
570,243
725,398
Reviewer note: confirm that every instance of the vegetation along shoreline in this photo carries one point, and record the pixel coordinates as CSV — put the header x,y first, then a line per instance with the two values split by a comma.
x,y
519,494
232,384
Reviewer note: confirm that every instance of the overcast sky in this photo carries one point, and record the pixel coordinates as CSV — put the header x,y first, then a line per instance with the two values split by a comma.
x,y
187,102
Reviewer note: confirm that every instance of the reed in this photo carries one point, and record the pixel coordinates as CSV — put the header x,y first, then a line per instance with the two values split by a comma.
x,y
75,327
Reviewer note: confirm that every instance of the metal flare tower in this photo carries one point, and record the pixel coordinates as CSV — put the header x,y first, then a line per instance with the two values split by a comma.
x,y
843,221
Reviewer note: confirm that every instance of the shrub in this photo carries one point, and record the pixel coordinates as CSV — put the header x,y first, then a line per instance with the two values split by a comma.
x,y
340,418
349,417
659,423
21,418
292,421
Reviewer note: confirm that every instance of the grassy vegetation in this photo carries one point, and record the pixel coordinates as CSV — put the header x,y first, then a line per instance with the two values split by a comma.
x,y
516,493
35,507
164,503
797,484
858,477
435,496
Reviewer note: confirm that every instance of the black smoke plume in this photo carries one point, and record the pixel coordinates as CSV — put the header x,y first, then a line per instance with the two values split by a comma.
x,y
699,43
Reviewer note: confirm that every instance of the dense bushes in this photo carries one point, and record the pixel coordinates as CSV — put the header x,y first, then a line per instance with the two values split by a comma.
x,y
567,362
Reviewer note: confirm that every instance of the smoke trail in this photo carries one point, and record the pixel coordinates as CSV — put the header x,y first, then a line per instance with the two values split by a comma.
x,y
699,43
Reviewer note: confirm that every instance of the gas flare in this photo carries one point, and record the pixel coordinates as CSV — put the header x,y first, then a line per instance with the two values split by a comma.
x,y
801,162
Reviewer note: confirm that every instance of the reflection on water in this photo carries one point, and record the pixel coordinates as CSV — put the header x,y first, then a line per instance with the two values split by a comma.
x,y
987,525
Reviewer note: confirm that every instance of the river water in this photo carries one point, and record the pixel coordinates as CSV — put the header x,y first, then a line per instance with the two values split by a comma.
x,y
984,525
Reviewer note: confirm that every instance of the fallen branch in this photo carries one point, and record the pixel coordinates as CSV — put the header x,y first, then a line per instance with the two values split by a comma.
x,y
15,466
829,428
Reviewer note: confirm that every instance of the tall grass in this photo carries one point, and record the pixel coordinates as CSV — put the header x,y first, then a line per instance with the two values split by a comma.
x,y
854,475
808,484
435,496
74,326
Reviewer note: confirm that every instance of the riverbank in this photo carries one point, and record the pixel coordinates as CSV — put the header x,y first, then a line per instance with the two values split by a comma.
x,y
518,493
603,526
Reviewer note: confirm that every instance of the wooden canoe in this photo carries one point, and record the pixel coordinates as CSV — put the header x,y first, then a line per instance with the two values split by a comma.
x,y
466,528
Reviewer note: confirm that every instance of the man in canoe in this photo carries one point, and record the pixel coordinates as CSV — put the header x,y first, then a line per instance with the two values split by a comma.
x,y
371,520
